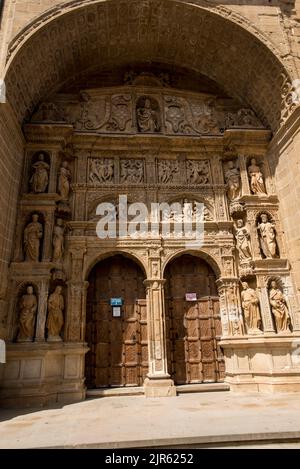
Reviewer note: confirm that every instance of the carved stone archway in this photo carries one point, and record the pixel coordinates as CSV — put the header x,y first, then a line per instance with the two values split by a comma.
x,y
38,65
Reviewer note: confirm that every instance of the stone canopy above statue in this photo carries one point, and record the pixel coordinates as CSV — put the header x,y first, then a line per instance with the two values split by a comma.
x,y
137,109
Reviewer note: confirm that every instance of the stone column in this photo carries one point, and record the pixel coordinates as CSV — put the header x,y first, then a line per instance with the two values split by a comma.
x,y
52,187
230,307
244,175
158,382
150,176
76,311
251,218
19,237
42,311
265,310
48,233
75,315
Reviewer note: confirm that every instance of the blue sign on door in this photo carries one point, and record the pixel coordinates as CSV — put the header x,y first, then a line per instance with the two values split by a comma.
x,y
116,301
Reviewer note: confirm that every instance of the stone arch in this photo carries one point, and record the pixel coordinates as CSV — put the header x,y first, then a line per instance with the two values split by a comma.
x,y
211,261
37,64
113,252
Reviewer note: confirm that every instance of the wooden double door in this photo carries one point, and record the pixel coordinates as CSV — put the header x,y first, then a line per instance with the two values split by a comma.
x,y
193,328
118,353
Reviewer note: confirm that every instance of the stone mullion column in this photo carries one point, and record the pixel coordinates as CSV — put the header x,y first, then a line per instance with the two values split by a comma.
x,y
265,309
75,313
244,175
230,307
18,252
52,188
158,382
42,311
253,235
81,175
150,169
117,170
48,231
220,205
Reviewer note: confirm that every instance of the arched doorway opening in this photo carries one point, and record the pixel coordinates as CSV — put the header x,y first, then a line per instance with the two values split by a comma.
x,y
117,339
193,324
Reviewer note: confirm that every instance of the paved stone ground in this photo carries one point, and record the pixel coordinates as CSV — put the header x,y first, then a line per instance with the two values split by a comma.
x,y
214,418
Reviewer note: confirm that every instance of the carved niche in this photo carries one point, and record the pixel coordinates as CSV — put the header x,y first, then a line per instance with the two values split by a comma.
x,y
148,115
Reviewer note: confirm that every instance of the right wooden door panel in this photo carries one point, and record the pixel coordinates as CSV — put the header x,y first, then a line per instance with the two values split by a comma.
x,y
193,328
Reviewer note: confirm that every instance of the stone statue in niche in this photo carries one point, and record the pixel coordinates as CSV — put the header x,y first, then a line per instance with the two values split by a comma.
x,y
40,177
250,305
58,241
167,171
33,234
132,171
242,237
55,319
233,181
279,308
101,170
257,184
64,179
147,116
27,318
198,172
267,235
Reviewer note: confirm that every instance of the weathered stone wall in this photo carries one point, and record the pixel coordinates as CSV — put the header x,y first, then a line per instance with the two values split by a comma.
x,y
284,157
11,160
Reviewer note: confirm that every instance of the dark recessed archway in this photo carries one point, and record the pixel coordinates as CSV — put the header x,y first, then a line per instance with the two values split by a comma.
x,y
118,33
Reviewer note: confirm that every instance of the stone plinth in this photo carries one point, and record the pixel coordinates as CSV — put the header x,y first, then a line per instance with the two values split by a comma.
x,y
39,373
159,387
264,364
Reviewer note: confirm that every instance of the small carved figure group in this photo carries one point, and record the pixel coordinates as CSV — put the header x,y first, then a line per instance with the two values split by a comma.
x,y
28,312
147,117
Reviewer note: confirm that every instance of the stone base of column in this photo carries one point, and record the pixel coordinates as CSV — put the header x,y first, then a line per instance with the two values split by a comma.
x,y
159,387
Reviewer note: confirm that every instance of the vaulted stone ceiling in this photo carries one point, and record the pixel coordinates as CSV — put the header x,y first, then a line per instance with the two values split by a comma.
x,y
117,33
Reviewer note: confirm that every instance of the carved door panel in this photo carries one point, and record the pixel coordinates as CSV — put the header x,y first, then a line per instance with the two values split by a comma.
x,y
118,353
193,328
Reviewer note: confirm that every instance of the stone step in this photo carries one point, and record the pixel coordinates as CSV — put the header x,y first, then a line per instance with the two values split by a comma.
x,y
139,391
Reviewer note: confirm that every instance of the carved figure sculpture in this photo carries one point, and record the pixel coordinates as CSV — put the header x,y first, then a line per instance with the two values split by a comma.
x,y
40,178
167,170
279,308
64,178
58,241
147,118
267,234
242,237
132,171
233,181
55,319
257,184
32,239
28,308
250,305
